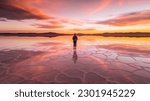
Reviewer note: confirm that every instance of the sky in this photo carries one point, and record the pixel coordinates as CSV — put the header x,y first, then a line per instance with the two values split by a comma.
x,y
74,16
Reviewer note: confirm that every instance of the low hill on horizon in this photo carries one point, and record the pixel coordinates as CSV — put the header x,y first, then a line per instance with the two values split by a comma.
x,y
53,34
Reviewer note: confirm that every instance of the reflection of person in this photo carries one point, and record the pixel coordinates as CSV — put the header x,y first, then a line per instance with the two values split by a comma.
x,y
75,56
75,39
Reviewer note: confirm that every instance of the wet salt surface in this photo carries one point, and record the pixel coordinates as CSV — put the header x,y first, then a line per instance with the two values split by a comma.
x,y
95,60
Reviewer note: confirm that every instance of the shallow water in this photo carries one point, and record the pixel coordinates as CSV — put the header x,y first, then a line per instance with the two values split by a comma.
x,y
54,60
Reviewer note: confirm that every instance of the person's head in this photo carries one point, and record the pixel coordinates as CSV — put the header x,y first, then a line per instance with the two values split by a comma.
x,y
75,34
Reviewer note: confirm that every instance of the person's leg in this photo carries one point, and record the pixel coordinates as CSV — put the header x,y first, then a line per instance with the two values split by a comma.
x,y
74,43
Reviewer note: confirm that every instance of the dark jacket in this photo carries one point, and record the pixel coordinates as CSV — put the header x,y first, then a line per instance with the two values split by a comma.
x,y
74,38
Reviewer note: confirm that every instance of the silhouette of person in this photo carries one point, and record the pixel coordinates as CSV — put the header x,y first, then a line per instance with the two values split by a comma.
x,y
75,56
75,39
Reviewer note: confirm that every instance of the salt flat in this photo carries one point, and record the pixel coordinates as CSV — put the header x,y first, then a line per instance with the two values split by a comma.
x,y
95,60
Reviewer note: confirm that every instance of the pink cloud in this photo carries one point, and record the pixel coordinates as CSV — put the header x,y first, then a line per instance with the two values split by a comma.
x,y
134,18
103,4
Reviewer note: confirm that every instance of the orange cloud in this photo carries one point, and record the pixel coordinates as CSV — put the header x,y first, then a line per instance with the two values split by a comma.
x,y
20,10
85,29
59,23
129,19
47,26
72,21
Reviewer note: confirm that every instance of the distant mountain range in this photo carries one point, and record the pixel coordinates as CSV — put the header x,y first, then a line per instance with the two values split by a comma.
x,y
131,34
52,34
49,34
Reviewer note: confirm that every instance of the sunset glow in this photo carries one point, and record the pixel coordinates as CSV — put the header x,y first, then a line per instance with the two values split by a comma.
x,y
70,16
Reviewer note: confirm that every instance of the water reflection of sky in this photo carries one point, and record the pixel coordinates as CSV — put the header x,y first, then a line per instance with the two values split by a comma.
x,y
95,60
41,43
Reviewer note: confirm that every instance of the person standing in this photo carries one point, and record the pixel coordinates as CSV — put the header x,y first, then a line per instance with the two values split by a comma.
x,y
75,39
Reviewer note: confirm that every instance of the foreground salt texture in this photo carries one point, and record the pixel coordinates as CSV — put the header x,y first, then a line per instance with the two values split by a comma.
x,y
57,62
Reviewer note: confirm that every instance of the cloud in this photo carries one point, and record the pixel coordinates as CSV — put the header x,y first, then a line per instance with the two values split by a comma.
x,y
49,26
84,29
59,23
121,2
21,10
3,19
54,22
102,5
135,18
75,22
70,21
